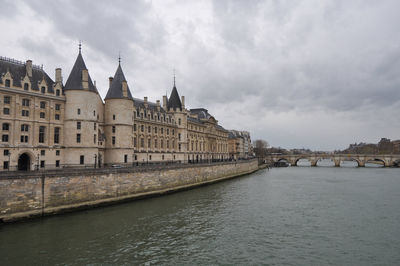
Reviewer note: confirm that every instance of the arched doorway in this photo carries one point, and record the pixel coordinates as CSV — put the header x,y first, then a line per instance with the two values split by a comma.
x,y
24,162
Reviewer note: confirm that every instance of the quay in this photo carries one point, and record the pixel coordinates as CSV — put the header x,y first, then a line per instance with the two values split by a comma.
x,y
31,194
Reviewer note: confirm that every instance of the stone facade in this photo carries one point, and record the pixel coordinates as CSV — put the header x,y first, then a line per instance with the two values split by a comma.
x,y
46,124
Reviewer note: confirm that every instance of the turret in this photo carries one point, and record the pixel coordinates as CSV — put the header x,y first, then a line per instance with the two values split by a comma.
x,y
83,116
119,108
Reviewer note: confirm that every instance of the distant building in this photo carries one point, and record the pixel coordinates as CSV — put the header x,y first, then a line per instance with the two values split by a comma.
x,y
240,146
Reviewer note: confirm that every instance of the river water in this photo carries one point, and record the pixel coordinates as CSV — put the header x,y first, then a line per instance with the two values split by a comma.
x,y
282,216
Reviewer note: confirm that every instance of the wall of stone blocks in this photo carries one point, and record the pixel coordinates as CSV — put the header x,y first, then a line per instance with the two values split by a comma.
x,y
39,194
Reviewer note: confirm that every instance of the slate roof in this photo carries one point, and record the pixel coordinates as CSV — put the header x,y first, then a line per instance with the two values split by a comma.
x,y
201,113
152,106
74,81
115,90
18,72
174,102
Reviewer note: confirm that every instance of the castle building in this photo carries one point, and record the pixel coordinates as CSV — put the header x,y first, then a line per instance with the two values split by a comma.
x,y
46,124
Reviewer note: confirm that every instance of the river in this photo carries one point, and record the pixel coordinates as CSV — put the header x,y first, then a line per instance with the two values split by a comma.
x,y
282,216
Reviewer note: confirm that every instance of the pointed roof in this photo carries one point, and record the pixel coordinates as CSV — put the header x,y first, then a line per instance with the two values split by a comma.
x,y
74,81
174,101
115,90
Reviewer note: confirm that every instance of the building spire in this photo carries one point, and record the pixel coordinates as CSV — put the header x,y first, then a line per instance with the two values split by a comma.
x,y
174,77
80,46
119,58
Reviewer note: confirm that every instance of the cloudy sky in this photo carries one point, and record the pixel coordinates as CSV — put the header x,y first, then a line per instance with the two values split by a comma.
x,y
318,74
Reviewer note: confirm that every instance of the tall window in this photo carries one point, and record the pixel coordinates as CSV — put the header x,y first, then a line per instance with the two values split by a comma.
x,y
149,129
4,138
94,138
125,158
149,143
7,99
57,92
82,159
6,126
42,105
79,111
8,83
113,117
134,141
42,130
25,112
26,86
78,125
113,129
6,111
25,102
113,140
56,135
24,128
142,143
155,144
78,138
24,139
43,89
94,126
42,115
58,107
57,117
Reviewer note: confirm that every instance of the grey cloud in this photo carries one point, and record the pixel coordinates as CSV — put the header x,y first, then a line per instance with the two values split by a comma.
x,y
280,57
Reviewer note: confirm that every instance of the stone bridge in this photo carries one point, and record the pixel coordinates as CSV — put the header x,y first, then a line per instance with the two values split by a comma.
x,y
388,160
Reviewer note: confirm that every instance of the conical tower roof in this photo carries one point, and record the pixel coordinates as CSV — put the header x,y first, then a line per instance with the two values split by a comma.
x,y
115,90
74,81
174,101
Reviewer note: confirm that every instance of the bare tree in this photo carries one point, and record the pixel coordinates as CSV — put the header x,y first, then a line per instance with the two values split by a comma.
x,y
260,147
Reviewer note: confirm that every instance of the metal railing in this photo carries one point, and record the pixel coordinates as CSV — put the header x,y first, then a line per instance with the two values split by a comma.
x,y
110,168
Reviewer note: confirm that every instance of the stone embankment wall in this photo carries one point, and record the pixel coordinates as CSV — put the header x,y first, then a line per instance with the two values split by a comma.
x,y
40,194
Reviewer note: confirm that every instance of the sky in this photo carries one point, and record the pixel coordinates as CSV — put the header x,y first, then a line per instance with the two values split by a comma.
x,y
317,74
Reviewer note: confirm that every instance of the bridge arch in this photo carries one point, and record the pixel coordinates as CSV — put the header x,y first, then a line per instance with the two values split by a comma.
x,y
374,160
352,159
296,161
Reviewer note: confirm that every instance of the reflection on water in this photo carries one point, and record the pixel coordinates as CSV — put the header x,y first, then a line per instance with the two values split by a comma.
x,y
284,216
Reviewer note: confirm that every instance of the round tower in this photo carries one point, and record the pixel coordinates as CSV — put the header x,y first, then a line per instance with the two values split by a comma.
x,y
83,118
118,121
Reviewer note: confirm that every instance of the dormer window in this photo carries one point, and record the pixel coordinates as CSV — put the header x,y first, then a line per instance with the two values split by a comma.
x,y
26,86
8,83
43,89
57,92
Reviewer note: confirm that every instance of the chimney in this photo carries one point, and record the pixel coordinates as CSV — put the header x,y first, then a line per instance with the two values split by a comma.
x,y
110,79
124,89
145,99
85,79
58,75
158,105
183,102
29,68
164,102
